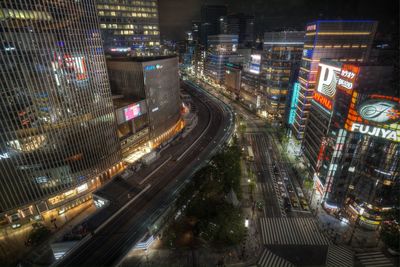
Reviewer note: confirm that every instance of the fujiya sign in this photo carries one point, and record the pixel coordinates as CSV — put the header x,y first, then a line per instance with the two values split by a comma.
x,y
380,111
375,131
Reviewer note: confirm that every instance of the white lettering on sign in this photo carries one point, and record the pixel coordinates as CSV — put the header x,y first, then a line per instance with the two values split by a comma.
x,y
347,74
327,80
345,84
375,131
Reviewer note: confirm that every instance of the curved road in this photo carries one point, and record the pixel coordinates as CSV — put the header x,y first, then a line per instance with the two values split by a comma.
x,y
110,245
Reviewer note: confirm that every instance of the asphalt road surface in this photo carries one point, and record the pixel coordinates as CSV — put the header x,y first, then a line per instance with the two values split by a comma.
x,y
115,240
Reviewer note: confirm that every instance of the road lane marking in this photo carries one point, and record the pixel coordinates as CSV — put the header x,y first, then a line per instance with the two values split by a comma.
x,y
154,171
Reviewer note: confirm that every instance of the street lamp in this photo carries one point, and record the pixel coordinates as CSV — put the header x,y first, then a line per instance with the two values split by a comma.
x,y
246,223
355,224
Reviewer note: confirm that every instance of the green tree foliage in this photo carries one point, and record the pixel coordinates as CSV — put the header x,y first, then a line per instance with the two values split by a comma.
x,y
216,220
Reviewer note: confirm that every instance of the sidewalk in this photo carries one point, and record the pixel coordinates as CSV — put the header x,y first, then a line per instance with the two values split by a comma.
x,y
43,253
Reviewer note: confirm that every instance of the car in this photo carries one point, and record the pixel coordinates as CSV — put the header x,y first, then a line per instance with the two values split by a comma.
x,y
280,182
259,205
304,204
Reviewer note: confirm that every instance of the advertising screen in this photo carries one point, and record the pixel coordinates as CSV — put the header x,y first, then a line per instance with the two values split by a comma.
x,y
374,115
347,78
326,86
132,111
255,64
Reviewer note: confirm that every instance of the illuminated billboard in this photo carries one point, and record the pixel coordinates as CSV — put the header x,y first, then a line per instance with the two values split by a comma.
x,y
77,65
293,102
374,115
255,64
347,78
71,66
326,86
132,111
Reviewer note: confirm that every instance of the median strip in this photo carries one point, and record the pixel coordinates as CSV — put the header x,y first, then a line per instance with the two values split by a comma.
x,y
120,210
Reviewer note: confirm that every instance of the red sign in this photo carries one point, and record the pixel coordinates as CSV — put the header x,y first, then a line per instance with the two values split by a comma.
x,y
347,78
323,100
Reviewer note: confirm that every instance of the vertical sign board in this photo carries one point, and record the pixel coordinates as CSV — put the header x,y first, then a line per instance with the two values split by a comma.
x,y
326,87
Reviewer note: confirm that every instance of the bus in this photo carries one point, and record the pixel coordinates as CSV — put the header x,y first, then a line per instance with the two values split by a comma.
x,y
250,155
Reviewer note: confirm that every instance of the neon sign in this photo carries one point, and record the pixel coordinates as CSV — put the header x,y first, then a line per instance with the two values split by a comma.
x,y
375,131
348,76
381,111
376,115
324,101
327,81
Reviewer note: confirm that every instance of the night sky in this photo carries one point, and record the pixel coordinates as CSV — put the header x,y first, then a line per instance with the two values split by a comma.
x,y
176,15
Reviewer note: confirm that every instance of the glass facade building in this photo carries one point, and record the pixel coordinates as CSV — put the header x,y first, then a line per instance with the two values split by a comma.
x,y
58,131
241,25
221,49
156,80
340,40
129,26
279,67
352,142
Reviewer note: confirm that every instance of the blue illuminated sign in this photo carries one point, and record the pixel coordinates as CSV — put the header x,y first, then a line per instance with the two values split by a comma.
x,y
151,67
293,102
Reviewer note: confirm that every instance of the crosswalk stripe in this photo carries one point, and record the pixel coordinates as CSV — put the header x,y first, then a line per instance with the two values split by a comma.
x,y
339,256
374,259
269,259
292,231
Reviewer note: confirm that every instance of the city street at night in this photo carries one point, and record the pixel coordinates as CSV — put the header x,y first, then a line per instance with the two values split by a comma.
x,y
224,133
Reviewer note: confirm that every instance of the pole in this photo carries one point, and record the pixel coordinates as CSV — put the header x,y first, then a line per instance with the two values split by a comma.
x,y
354,229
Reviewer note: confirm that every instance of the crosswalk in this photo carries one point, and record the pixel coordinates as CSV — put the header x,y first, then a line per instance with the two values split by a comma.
x,y
269,259
373,259
341,256
291,231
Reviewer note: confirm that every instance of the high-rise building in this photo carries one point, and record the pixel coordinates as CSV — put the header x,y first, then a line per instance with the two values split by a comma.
x,y
129,26
340,40
210,19
241,25
352,141
280,62
221,49
196,26
233,76
156,80
57,134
